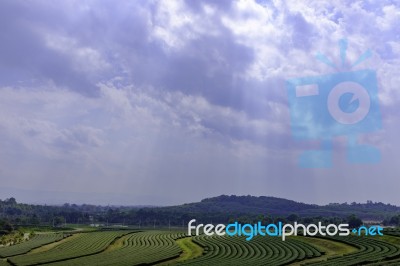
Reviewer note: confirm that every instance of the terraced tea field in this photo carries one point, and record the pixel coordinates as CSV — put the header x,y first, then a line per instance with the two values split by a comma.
x,y
137,248
370,250
129,247
259,251
82,244
35,242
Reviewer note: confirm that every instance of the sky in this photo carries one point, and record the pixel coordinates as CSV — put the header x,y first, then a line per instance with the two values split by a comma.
x,y
167,102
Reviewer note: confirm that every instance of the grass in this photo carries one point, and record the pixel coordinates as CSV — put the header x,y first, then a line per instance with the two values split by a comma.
x,y
395,240
12,238
52,245
3,262
119,243
45,229
190,249
331,248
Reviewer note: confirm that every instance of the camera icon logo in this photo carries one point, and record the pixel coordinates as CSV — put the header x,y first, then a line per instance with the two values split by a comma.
x,y
338,104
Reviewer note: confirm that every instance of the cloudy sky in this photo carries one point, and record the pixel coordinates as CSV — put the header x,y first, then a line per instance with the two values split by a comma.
x,y
166,102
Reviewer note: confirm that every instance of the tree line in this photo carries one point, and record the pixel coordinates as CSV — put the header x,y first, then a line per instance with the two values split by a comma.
x,y
13,214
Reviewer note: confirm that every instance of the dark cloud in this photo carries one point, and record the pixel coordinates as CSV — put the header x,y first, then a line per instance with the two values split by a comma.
x,y
210,67
24,54
303,32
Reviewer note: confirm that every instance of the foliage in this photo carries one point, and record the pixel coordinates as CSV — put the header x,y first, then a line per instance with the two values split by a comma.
x,y
222,209
354,221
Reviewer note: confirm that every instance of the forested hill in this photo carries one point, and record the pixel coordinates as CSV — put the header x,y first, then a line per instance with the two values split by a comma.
x,y
283,207
245,204
221,209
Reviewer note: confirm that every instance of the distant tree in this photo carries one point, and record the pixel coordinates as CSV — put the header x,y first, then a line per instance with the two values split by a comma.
x,y
58,221
34,220
11,201
268,219
308,220
280,219
244,219
335,220
293,217
13,211
354,221
6,226
395,220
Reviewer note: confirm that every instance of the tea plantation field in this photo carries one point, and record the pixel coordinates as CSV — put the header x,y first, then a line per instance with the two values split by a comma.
x,y
174,247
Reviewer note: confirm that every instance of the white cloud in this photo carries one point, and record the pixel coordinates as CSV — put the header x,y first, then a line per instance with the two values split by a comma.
x,y
390,19
86,59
